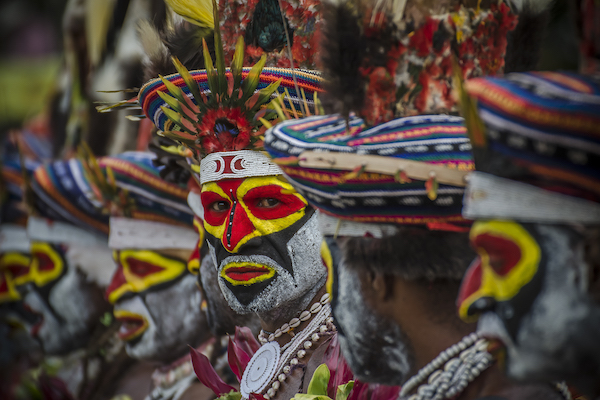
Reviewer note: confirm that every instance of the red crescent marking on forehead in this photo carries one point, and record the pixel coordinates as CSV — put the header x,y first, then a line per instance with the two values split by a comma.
x,y
238,164
218,165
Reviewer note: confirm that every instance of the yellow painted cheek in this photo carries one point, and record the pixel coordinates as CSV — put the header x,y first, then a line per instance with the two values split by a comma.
x,y
328,261
505,287
39,277
171,269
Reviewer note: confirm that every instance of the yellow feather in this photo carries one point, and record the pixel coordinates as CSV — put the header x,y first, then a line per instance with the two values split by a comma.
x,y
198,12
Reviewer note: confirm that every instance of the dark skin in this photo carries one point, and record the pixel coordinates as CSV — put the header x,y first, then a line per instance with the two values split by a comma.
x,y
408,303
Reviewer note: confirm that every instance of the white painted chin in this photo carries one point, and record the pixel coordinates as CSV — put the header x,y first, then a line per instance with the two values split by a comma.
x,y
491,326
175,320
304,250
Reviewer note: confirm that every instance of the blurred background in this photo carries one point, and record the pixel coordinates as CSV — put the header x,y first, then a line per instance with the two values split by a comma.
x,y
33,31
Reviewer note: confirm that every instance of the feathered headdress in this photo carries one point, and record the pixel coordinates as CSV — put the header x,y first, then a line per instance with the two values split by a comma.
x,y
386,59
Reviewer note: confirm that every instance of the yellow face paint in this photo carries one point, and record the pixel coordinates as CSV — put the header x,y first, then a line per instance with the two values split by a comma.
x,y
246,273
47,264
8,290
132,325
193,264
140,270
18,265
238,210
508,259
328,261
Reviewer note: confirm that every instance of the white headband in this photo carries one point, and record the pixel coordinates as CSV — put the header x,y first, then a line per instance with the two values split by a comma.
x,y
236,164
332,226
45,230
195,204
14,238
128,233
491,197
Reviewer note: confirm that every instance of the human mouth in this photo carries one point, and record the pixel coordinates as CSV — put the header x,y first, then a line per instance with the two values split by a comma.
x,y
132,325
247,273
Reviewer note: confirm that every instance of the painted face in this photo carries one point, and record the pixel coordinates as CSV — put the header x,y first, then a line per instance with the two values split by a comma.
x,y
264,241
528,286
157,302
375,347
65,294
193,264
14,271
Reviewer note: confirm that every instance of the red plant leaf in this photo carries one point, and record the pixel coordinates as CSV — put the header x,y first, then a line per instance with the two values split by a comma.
x,y
251,102
190,104
188,125
246,340
238,359
229,84
339,369
207,374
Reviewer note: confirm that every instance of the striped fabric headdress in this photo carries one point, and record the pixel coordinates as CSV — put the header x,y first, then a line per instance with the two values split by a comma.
x,y
538,157
146,212
407,171
65,208
221,113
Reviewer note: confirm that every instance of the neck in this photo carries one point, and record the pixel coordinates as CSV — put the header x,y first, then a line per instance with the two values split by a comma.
x,y
274,319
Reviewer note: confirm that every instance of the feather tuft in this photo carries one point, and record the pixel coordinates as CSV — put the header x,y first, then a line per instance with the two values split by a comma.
x,y
157,58
342,54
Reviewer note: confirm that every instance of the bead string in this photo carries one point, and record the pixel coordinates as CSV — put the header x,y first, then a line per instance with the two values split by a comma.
x,y
319,327
294,322
451,371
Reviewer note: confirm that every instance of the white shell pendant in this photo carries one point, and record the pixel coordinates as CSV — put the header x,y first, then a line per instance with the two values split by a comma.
x,y
261,369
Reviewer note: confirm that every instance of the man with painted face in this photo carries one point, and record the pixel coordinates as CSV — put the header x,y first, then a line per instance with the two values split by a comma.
x,y
260,233
398,250
67,277
19,351
389,190
155,298
535,195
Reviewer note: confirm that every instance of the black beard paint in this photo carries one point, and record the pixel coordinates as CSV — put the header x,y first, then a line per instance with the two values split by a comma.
x,y
376,348
556,337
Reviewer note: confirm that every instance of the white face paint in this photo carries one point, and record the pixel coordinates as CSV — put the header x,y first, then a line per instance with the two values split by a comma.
x,y
71,310
375,348
558,336
175,320
309,274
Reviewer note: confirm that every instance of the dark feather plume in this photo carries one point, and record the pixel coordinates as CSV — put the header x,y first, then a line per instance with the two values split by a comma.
x,y
342,48
183,42
525,42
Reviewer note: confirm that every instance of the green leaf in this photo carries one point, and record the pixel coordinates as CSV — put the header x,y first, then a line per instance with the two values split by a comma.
x,y
176,118
250,84
343,391
219,55
174,90
303,396
233,395
319,381
265,94
177,106
211,73
187,77
237,64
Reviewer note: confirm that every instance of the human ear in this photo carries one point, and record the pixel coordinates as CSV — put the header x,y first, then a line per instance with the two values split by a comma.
x,y
380,286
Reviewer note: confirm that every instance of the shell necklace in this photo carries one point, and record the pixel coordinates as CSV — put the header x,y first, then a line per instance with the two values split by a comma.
x,y
271,364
